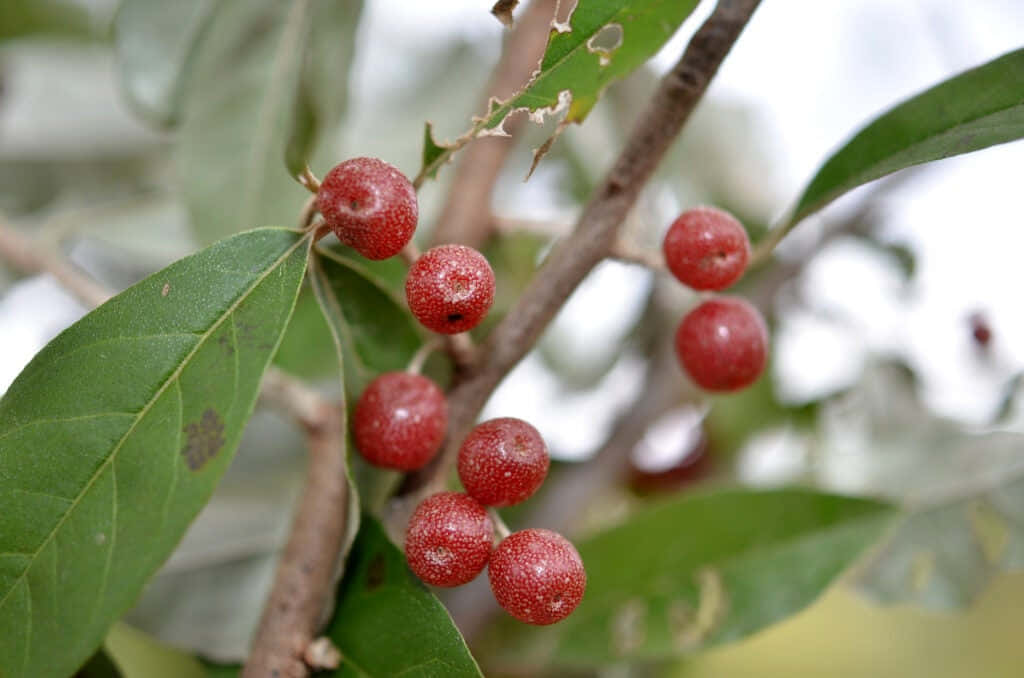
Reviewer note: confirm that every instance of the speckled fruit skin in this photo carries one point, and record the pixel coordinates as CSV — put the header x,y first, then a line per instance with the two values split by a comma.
x,y
503,461
370,206
723,344
400,421
449,539
450,288
537,576
706,248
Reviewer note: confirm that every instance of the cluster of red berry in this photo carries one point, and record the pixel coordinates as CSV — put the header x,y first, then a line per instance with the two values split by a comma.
x,y
723,342
401,419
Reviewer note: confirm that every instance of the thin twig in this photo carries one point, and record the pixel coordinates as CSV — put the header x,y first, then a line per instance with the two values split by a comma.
x,y
24,254
309,180
465,218
627,252
595,232
415,365
304,579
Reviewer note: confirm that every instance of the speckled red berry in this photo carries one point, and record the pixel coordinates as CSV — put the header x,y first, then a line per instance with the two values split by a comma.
x,y
503,461
723,344
449,539
370,206
537,576
450,288
706,248
400,421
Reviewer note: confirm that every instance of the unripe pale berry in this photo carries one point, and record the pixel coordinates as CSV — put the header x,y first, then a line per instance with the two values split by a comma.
x,y
450,288
706,248
370,205
723,344
537,576
503,461
400,421
449,539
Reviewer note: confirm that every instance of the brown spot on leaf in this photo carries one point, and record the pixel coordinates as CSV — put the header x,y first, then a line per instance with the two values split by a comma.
x,y
503,10
377,572
166,290
203,439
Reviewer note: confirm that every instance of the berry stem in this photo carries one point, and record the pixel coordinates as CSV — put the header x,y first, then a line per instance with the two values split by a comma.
x,y
422,353
309,180
500,528
308,213
629,252
410,253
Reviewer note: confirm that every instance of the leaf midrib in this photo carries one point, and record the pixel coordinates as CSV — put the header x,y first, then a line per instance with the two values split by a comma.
x,y
933,135
172,378
760,550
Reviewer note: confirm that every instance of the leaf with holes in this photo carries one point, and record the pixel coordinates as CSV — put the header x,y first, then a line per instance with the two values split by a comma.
x,y
976,109
116,433
387,623
602,41
699,571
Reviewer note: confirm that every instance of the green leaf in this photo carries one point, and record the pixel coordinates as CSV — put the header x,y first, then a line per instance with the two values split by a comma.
x,y
116,433
319,107
701,570
375,331
307,350
100,665
433,152
139,655
976,109
51,18
604,41
239,103
943,556
963,491
156,43
387,623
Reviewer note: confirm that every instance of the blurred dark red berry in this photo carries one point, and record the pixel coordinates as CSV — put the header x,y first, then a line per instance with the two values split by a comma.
x,y
449,539
400,421
723,344
706,248
537,576
370,205
503,461
981,330
450,288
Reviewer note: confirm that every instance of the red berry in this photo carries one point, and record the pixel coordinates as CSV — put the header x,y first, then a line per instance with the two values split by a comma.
x,y
706,248
449,539
503,461
400,421
537,576
450,288
370,206
722,344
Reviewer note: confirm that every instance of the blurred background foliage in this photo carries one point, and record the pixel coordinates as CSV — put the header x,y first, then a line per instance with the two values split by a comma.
x,y
882,382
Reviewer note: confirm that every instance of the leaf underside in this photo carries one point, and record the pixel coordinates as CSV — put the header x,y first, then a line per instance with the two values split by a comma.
x,y
700,571
116,433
